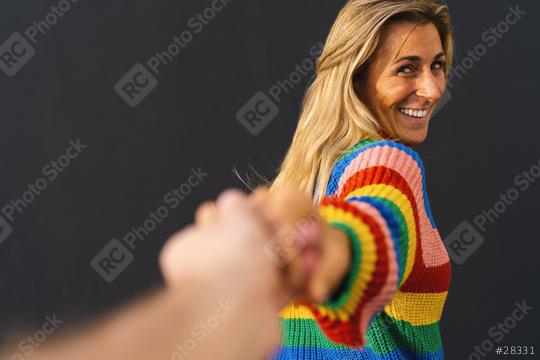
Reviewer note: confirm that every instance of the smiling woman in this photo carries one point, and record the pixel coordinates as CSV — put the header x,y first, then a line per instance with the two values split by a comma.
x,y
383,270
405,80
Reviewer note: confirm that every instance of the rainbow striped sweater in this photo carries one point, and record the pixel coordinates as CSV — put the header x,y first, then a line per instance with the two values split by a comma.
x,y
390,304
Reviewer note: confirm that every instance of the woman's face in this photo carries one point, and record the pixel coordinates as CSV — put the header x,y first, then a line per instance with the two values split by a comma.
x,y
405,80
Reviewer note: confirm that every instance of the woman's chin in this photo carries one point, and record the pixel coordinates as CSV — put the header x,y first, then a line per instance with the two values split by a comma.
x,y
413,137
412,130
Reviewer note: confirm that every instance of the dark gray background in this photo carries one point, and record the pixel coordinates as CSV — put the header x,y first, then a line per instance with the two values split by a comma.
x,y
479,142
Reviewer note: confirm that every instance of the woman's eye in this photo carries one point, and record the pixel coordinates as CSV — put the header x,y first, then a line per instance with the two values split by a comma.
x,y
438,65
407,69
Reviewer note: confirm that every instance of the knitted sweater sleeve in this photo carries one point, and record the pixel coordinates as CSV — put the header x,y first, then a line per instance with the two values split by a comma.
x,y
376,195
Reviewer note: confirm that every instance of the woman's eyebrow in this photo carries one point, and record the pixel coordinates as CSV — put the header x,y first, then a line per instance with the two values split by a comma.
x,y
416,58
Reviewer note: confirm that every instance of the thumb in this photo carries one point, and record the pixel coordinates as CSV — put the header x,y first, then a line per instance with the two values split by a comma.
x,y
333,266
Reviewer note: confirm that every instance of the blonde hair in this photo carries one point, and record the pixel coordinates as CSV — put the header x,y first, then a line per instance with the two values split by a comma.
x,y
333,118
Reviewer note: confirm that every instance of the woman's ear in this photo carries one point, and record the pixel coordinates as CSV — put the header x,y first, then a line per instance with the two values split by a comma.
x,y
359,80
356,85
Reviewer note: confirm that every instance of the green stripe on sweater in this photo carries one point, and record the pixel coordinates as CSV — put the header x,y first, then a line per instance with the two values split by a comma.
x,y
357,146
384,335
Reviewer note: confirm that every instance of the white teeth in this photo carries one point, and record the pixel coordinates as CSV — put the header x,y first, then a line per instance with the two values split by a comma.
x,y
414,113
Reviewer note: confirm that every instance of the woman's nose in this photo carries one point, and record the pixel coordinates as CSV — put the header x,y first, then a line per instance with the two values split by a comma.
x,y
429,87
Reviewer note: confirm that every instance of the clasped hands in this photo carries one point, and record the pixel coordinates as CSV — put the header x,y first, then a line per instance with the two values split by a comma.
x,y
274,236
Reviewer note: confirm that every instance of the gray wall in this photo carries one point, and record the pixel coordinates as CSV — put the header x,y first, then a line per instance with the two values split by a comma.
x,y
161,132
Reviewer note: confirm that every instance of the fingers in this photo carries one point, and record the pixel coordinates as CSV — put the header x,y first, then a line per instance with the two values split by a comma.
x,y
311,231
289,205
230,199
293,246
206,213
260,193
172,252
292,264
318,288
303,254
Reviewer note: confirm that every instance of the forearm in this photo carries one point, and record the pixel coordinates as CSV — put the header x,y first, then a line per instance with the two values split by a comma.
x,y
222,302
153,327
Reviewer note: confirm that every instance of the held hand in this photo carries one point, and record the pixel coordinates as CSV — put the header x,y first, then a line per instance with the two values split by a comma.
x,y
333,267
318,258
313,256
290,246
222,240
322,255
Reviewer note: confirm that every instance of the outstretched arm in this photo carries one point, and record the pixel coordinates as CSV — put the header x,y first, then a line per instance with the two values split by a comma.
x,y
221,301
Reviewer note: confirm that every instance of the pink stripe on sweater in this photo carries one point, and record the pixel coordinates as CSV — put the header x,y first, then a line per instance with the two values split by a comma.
x,y
407,167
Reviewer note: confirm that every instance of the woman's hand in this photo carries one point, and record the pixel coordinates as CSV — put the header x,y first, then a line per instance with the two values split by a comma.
x,y
334,265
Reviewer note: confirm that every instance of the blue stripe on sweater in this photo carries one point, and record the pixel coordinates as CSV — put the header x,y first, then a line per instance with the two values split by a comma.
x,y
305,353
382,204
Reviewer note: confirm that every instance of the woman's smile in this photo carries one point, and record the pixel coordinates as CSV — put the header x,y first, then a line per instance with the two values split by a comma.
x,y
415,115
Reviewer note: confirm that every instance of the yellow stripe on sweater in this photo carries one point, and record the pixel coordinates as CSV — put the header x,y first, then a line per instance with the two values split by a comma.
x,y
402,202
417,309
367,262
293,311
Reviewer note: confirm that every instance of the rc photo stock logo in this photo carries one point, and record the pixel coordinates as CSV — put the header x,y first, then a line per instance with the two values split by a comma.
x,y
262,107
136,85
5,229
141,79
30,343
50,172
18,49
289,241
488,39
118,253
468,236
